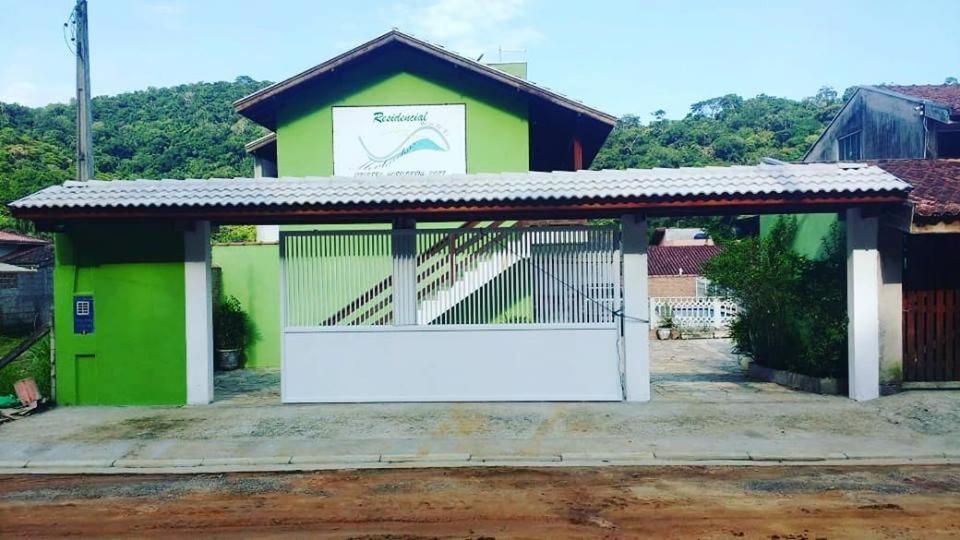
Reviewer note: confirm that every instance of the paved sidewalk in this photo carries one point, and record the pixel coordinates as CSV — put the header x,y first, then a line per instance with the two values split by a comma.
x,y
701,412
915,425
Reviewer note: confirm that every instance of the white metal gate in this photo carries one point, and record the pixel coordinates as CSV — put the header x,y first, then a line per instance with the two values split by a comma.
x,y
451,315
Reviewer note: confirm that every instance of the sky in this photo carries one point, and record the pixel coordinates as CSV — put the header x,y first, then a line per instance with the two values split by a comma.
x,y
619,56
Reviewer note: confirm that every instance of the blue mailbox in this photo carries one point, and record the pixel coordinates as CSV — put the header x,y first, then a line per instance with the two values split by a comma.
x,y
83,314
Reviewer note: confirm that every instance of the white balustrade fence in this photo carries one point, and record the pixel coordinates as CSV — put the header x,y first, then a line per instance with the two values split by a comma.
x,y
693,312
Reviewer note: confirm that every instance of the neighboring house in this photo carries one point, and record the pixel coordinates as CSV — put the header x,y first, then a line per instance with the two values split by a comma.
x,y
913,132
882,122
893,122
675,270
26,282
920,295
11,242
674,260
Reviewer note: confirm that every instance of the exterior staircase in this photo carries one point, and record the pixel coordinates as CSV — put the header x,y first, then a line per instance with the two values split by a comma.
x,y
448,272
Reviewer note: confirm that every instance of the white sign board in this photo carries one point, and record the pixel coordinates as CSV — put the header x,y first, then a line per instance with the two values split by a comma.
x,y
399,140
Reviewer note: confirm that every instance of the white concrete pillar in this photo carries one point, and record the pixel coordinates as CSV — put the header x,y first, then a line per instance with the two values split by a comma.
x,y
636,309
863,305
199,313
404,248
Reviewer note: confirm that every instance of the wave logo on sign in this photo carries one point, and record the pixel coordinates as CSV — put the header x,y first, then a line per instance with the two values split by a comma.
x,y
424,138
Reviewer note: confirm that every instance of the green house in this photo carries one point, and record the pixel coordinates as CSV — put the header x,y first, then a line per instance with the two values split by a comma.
x,y
122,291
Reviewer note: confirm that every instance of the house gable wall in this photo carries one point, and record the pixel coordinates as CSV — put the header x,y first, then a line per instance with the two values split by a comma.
x,y
890,128
497,131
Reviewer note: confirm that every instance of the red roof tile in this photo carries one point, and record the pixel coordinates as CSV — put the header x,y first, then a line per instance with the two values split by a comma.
x,y
947,94
7,237
672,260
936,184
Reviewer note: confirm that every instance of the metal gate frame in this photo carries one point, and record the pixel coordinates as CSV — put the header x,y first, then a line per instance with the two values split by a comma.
x,y
338,359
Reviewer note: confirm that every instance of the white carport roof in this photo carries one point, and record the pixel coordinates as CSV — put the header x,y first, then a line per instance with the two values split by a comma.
x,y
447,197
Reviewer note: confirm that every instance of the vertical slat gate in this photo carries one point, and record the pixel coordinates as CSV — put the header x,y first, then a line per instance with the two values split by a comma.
x,y
467,276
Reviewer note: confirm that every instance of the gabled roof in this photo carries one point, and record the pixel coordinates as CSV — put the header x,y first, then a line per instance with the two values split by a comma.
x,y
678,260
447,197
260,106
936,184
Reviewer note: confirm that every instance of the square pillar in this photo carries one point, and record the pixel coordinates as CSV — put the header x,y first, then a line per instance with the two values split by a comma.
x,y
198,313
863,305
404,249
636,309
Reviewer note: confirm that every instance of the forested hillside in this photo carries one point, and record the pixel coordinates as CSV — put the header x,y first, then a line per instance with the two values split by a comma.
x,y
723,130
191,131
183,131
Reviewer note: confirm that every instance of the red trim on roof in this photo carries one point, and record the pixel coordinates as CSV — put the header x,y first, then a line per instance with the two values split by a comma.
x,y
684,205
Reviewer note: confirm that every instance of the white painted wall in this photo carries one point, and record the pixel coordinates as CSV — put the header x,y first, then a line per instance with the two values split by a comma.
x,y
451,363
863,305
199,313
636,309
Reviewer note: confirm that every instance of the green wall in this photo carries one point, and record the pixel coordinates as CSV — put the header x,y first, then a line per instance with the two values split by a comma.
x,y
251,272
496,124
137,352
811,230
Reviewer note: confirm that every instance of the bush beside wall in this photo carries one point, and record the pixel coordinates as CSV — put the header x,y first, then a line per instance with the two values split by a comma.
x,y
793,309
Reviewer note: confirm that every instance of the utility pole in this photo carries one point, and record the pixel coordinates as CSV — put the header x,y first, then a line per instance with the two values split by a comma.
x,y
84,110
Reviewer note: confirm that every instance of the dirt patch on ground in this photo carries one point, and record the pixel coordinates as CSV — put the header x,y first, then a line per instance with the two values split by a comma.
x,y
931,413
159,426
675,502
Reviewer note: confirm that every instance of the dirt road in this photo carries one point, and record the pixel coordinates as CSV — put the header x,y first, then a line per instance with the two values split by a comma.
x,y
672,502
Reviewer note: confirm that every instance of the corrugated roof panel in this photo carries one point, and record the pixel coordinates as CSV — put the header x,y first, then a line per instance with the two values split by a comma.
x,y
748,181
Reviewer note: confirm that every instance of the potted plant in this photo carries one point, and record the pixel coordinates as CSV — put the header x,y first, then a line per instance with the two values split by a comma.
x,y
665,325
231,332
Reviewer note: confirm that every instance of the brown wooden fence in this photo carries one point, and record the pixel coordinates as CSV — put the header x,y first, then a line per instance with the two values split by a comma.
x,y
931,308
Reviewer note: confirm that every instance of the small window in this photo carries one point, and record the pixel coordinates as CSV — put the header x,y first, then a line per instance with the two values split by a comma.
x,y
849,147
8,281
83,308
948,144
